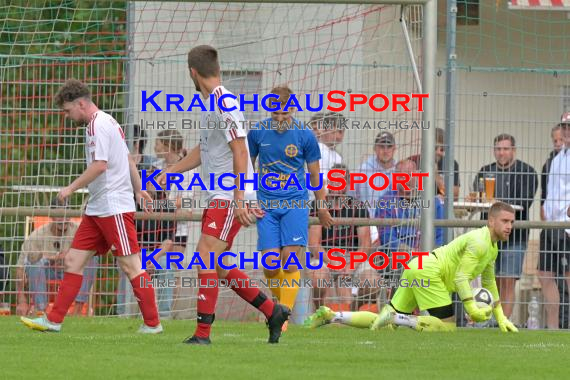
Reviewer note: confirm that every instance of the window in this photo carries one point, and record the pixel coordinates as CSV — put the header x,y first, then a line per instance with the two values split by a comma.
x,y
467,12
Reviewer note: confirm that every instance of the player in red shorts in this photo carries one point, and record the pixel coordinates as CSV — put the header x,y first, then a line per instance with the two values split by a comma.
x,y
221,150
108,223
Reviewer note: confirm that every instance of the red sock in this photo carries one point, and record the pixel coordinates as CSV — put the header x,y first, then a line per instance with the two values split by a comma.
x,y
206,304
68,290
251,294
146,300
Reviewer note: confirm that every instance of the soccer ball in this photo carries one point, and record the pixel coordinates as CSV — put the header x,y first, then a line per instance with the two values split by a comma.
x,y
482,297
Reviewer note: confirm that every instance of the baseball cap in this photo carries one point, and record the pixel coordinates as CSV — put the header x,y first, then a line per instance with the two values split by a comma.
x,y
565,118
385,138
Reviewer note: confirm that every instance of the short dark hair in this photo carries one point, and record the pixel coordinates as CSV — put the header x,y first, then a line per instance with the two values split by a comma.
x,y
70,91
204,59
497,207
503,137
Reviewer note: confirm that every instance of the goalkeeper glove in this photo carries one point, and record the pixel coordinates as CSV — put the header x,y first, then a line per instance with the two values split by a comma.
x,y
477,314
504,324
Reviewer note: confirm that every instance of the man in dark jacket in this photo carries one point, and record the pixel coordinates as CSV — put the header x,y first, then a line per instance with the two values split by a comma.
x,y
516,183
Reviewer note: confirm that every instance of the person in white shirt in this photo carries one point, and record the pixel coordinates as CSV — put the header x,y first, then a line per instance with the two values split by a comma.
x,y
555,247
169,148
108,224
222,150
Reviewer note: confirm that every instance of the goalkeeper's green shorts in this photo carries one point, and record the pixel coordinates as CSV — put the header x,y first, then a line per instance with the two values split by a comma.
x,y
434,294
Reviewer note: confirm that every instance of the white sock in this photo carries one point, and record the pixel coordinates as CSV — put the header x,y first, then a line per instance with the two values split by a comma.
x,y
405,320
342,317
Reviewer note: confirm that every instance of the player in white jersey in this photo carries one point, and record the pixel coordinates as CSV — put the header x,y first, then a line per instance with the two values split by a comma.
x,y
221,150
215,147
108,223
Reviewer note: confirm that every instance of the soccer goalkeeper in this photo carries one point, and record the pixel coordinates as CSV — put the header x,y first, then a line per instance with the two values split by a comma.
x,y
450,269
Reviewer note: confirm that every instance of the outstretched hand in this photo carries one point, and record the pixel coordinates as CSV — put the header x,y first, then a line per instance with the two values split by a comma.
x,y
507,326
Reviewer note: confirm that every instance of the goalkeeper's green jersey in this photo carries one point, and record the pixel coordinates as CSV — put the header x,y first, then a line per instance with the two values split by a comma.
x,y
466,257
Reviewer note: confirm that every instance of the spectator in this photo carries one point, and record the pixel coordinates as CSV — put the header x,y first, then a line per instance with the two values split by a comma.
x,y
349,237
169,147
143,161
150,232
381,162
557,145
439,155
404,237
393,237
555,243
329,132
516,183
41,260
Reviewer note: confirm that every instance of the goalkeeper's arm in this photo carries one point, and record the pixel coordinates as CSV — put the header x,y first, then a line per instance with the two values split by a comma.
x,y
477,314
488,281
467,265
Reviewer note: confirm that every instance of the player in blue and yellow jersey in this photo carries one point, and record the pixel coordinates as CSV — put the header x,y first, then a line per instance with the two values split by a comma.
x,y
450,268
282,145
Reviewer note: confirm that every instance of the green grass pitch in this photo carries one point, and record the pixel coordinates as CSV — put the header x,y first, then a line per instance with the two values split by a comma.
x,y
109,348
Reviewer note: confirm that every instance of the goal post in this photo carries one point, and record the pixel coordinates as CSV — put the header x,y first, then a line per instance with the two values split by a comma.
x,y
121,48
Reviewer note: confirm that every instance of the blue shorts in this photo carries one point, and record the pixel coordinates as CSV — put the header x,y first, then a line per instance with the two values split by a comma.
x,y
509,261
283,227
